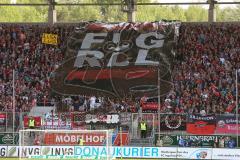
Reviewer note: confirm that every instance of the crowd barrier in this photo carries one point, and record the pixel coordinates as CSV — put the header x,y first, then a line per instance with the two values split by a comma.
x,y
225,123
167,140
190,123
185,124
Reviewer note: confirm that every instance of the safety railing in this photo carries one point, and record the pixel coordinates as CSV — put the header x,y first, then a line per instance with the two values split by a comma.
x,y
178,123
173,127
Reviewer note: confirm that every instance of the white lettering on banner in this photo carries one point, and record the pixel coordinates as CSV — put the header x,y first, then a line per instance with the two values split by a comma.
x,y
125,118
112,118
75,138
233,128
109,119
140,41
198,138
56,121
94,57
232,121
58,127
196,117
92,38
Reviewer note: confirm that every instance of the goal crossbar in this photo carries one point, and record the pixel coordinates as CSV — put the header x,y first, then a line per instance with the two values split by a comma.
x,y
61,141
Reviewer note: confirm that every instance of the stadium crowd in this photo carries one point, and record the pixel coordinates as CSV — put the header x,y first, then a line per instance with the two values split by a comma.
x,y
203,76
21,49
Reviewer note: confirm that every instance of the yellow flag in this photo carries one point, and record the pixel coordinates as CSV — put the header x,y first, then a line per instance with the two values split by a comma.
x,y
50,38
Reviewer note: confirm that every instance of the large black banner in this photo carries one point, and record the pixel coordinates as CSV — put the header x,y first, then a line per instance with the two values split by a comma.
x,y
117,59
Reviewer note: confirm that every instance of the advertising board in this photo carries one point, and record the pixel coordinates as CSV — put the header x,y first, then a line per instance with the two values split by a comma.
x,y
73,138
226,124
117,152
56,121
8,138
226,154
172,122
198,124
206,141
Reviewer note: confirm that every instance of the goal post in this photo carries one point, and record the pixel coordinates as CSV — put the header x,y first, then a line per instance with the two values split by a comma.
x,y
65,144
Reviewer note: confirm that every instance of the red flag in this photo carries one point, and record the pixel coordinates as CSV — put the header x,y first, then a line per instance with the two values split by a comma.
x,y
200,127
199,124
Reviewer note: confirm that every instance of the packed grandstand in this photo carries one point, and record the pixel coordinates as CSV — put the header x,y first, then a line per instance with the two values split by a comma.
x,y
171,90
203,74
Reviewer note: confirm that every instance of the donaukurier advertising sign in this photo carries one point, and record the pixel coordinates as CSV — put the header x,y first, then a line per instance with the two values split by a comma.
x,y
117,59
93,152
101,152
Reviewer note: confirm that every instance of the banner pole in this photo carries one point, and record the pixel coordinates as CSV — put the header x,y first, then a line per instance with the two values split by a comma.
x,y
159,95
121,140
13,101
237,105
6,120
159,103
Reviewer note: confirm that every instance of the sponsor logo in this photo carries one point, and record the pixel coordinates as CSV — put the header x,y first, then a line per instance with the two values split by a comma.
x,y
221,124
74,138
8,139
173,122
200,124
199,154
167,140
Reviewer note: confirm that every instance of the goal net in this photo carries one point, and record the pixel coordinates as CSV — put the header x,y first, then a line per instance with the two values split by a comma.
x,y
65,144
